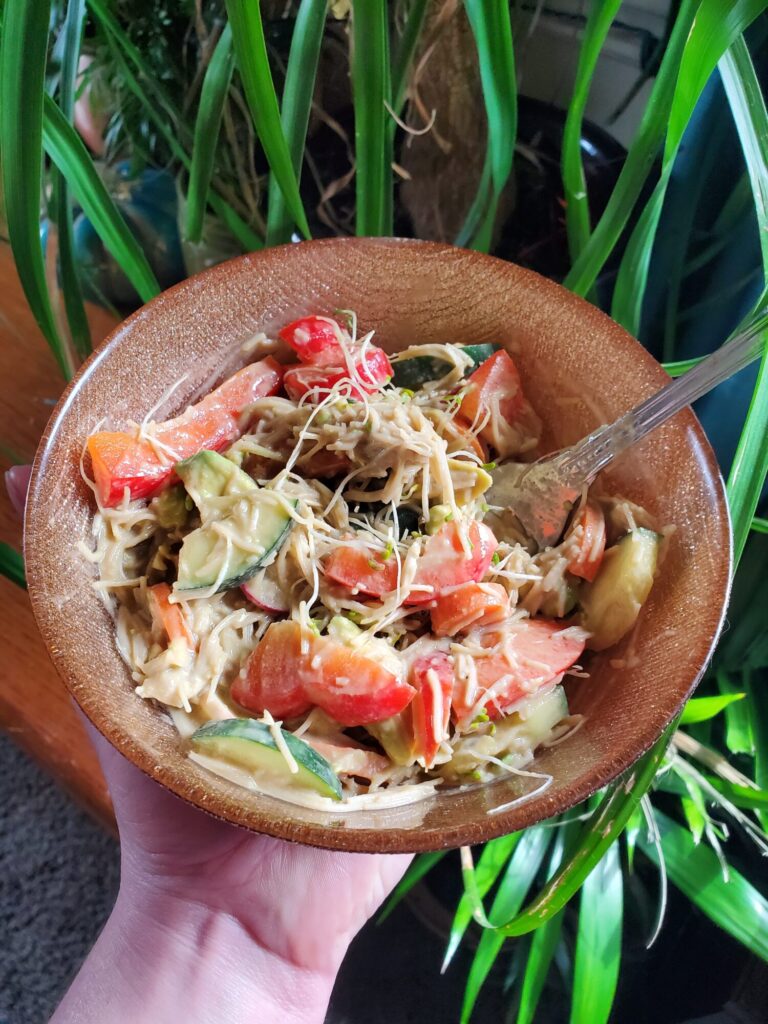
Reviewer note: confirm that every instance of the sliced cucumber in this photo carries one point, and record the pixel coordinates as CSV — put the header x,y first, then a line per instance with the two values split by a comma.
x,y
395,734
559,604
206,557
171,508
610,605
252,745
412,373
233,506
513,737
208,477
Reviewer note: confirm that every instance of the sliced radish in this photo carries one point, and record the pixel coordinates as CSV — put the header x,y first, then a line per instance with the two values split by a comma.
x,y
266,593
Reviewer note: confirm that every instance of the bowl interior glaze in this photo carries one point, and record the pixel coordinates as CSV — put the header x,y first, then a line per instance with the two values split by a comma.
x,y
578,368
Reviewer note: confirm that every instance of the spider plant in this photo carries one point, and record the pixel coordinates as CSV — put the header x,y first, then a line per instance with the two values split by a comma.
x,y
227,100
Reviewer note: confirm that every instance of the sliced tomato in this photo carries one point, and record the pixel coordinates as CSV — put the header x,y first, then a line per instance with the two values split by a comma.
x,y
472,604
465,440
432,677
373,369
590,522
444,564
169,618
532,658
362,570
123,460
495,380
271,679
315,340
289,671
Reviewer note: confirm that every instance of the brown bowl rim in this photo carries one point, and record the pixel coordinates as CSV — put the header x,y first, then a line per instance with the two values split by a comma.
x,y
391,840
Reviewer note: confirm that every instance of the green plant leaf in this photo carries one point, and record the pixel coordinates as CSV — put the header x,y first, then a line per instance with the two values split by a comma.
x,y
68,152
750,463
213,95
677,369
72,292
699,709
256,76
640,160
577,221
22,79
371,89
492,861
598,941
523,866
300,75
758,694
603,828
417,869
545,939
403,56
743,796
716,27
492,29
760,525
12,565
161,111
734,905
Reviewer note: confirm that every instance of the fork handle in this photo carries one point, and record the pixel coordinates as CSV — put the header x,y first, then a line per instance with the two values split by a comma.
x,y
589,456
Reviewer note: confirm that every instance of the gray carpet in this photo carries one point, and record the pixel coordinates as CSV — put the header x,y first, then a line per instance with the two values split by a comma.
x,y
58,881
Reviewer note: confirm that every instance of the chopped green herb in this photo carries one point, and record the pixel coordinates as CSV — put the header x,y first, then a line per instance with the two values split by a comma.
x,y
406,394
374,564
355,617
389,550
495,558
314,625
488,466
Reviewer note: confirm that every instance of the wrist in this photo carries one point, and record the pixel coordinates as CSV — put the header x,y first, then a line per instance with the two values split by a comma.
x,y
165,958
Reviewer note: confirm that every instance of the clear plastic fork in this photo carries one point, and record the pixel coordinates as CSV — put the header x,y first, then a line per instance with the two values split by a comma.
x,y
541,495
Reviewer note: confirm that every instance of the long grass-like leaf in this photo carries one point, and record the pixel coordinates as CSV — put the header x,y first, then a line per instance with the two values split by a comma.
x,y
603,828
492,29
403,55
12,565
298,90
750,464
371,90
738,724
545,939
742,796
521,871
735,905
492,861
640,159
68,152
160,110
256,76
700,709
417,869
598,941
715,28
74,306
577,221
213,95
758,693
760,525
22,77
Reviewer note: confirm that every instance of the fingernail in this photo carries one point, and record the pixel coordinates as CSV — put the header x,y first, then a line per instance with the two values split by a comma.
x,y
17,485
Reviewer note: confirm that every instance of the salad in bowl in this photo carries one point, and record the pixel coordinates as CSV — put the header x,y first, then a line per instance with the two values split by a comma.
x,y
306,573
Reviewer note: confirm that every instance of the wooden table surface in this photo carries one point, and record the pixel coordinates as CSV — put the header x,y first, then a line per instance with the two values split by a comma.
x,y
35,708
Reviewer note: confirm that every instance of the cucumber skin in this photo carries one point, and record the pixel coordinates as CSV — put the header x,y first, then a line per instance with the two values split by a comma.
x,y
412,373
235,581
246,730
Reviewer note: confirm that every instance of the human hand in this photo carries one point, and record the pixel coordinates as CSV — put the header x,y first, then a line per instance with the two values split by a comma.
x,y
213,922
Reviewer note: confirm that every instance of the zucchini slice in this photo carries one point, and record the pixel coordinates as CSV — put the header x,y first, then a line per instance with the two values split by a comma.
x,y
610,605
243,524
252,745
412,373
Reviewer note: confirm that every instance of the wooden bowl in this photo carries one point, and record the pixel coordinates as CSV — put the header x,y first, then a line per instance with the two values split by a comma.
x,y
579,369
